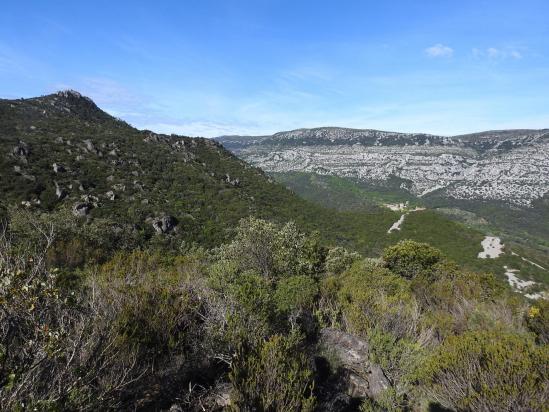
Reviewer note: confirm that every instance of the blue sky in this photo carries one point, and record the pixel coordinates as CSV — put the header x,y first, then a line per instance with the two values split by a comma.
x,y
251,67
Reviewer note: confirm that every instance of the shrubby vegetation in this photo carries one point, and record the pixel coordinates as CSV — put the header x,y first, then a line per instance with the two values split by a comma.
x,y
238,327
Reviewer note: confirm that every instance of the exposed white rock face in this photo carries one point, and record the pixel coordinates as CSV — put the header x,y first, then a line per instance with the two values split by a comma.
x,y
520,285
492,246
512,166
515,281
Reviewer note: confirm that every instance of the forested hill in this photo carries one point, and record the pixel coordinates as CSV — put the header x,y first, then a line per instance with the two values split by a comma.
x,y
60,153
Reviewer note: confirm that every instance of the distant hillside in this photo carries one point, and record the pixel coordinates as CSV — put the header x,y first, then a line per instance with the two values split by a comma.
x,y
509,165
496,182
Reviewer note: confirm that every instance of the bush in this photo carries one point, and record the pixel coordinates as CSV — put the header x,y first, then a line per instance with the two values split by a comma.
x,y
375,298
339,260
57,351
153,306
487,371
408,258
273,251
92,348
296,293
537,320
272,376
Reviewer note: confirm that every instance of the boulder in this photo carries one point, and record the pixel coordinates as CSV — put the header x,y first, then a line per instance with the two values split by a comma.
x,y
233,182
81,209
59,192
120,187
22,151
364,379
88,144
94,200
164,224
57,168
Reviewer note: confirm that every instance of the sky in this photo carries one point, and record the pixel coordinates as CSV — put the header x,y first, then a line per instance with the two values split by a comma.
x,y
211,68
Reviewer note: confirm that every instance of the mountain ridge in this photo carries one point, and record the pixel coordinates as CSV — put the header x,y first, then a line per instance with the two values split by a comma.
x,y
508,165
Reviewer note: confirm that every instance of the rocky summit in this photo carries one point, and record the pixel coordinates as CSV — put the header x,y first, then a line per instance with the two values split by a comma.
x,y
505,165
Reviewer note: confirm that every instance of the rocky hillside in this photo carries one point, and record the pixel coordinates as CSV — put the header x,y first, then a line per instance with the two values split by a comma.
x,y
62,154
61,151
510,165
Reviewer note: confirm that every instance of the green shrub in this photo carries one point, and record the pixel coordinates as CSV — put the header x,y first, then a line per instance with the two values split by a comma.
x,y
389,400
487,371
296,292
273,251
408,258
152,304
339,259
537,319
273,375
377,298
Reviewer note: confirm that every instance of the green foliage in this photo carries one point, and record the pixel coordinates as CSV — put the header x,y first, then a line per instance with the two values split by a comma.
x,y
273,251
388,400
408,258
90,348
339,260
296,293
272,376
152,304
537,320
375,298
487,371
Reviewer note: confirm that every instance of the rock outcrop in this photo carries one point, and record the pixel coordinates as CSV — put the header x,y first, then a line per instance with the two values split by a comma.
x,y
364,379
81,209
164,224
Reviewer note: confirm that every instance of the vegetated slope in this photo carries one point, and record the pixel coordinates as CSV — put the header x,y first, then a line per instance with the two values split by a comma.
x,y
62,152
515,226
271,321
496,182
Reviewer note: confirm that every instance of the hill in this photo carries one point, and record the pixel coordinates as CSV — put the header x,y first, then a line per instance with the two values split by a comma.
x,y
62,155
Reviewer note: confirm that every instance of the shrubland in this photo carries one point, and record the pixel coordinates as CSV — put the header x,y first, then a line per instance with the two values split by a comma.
x,y
92,322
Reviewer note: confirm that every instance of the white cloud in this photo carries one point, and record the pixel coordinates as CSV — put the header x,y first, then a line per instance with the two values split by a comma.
x,y
493,53
439,50
497,54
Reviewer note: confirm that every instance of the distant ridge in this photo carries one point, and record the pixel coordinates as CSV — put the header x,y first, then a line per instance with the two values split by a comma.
x,y
502,165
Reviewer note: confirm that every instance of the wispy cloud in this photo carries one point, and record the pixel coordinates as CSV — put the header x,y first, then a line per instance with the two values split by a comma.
x,y
203,128
439,50
494,53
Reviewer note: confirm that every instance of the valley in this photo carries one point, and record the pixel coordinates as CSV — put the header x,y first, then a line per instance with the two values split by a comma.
x,y
493,182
